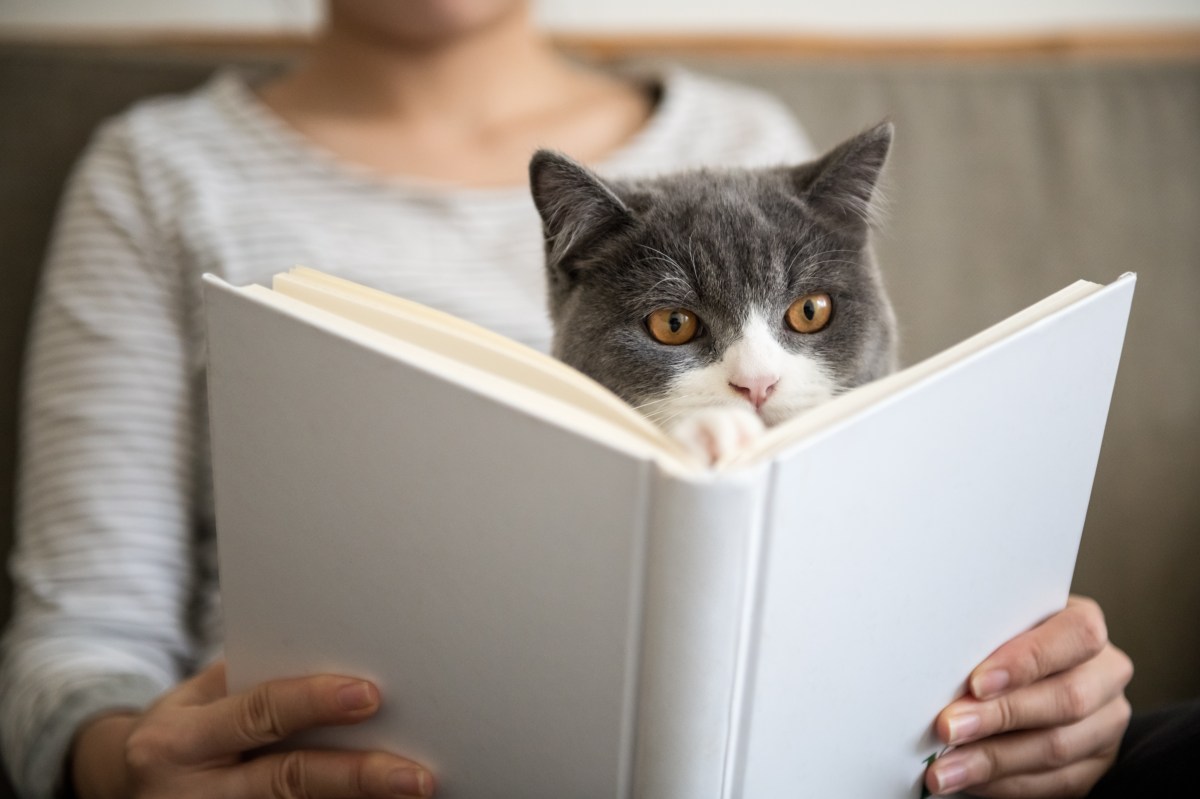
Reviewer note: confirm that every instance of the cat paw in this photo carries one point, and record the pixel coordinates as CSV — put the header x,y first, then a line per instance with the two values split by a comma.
x,y
714,435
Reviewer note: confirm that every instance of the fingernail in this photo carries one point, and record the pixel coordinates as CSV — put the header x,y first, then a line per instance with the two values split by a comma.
x,y
410,782
963,726
989,683
949,774
356,696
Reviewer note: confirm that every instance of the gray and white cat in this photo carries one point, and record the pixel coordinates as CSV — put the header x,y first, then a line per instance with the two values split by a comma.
x,y
719,302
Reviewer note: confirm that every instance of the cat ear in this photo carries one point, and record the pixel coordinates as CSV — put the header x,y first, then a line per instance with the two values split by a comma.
x,y
576,206
841,185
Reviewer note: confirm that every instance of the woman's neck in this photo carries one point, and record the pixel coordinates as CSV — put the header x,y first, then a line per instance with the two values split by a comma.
x,y
468,109
480,76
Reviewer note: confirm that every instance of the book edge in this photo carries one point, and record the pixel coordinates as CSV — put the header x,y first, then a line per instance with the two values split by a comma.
x,y
444,326
822,420
521,398
827,418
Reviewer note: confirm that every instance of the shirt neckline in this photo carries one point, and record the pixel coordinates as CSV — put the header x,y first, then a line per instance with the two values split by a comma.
x,y
233,93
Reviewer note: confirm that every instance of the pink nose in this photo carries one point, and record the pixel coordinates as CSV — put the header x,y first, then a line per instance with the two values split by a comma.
x,y
755,389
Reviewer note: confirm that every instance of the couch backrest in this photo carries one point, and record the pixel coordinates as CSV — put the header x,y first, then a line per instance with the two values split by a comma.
x,y
1009,179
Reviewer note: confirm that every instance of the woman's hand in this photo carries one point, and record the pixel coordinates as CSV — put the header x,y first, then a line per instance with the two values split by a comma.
x,y
1044,715
193,743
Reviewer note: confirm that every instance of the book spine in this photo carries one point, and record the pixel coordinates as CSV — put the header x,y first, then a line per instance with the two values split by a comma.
x,y
701,565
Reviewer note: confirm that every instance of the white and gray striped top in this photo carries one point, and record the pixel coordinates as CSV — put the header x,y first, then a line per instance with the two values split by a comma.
x,y
115,580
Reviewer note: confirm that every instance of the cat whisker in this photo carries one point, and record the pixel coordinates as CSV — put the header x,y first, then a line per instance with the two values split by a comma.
x,y
652,402
663,255
683,292
692,260
664,414
836,261
668,260
821,241
662,422
811,259
674,280
659,412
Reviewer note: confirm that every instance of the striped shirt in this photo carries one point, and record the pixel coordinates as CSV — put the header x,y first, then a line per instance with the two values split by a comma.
x,y
115,576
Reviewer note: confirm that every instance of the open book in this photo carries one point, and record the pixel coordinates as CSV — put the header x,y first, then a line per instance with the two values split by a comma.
x,y
556,603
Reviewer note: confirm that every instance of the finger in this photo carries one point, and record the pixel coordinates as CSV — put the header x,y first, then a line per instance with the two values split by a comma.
x,y
1036,751
1068,638
1070,781
325,775
275,710
1062,699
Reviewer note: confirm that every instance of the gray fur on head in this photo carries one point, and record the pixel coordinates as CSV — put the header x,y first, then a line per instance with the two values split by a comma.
x,y
726,244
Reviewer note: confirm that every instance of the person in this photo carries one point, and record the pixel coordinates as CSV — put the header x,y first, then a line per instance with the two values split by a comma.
x,y
396,155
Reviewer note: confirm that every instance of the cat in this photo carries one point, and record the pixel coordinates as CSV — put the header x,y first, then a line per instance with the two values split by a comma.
x,y
719,302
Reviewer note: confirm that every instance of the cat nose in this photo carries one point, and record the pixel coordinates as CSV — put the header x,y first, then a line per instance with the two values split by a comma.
x,y
755,389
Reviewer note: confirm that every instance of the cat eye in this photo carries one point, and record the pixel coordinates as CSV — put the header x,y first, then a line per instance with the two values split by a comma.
x,y
672,325
810,313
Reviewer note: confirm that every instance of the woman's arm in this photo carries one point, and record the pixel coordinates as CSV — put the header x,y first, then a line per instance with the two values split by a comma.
x,y
103,560
105,564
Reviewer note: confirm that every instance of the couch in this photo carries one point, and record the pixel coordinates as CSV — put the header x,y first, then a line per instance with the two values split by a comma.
x,y
1010,178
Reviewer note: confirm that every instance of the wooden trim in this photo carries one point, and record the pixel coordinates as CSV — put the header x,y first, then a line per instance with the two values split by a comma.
x,y
182,42
1102,44
1077,44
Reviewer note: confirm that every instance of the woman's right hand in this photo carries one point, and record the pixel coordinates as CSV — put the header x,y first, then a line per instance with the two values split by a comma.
x,y
194,742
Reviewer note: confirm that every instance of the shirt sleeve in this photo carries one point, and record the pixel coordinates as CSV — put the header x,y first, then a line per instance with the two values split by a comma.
x,y
102,563
705,121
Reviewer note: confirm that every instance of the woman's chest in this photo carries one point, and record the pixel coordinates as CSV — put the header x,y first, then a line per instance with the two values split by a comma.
x,y
479,260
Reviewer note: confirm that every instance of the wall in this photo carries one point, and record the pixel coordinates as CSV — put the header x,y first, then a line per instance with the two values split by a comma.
x,y
867,17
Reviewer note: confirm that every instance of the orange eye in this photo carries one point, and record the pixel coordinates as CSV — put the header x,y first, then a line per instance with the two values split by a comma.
x,y
810,313
672,325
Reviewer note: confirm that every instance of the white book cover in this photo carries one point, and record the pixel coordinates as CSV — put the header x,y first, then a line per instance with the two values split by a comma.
x,y
556,605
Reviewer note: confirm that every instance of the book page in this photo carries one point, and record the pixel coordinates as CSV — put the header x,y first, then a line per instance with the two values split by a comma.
x,y
470,345
413,310
824,417
529,400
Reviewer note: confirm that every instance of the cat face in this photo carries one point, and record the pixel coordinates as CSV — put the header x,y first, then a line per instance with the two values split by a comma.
x,y
746,289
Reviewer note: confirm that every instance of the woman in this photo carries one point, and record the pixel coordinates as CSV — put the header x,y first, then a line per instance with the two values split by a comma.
x,y
396,155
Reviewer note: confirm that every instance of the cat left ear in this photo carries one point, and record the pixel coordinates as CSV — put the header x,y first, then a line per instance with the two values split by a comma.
x,y
576,206
841,185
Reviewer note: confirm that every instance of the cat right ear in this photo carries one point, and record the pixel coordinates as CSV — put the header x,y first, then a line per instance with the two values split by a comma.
x,y
576,206
842,184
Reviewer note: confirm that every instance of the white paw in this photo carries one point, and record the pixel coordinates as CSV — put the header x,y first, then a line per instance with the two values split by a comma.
x,y
714,435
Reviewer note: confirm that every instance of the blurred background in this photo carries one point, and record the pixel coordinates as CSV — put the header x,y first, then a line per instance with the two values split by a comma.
x,y
1038,141
866,17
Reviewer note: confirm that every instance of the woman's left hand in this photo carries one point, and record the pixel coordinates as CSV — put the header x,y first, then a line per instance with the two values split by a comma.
x,y
1044,714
